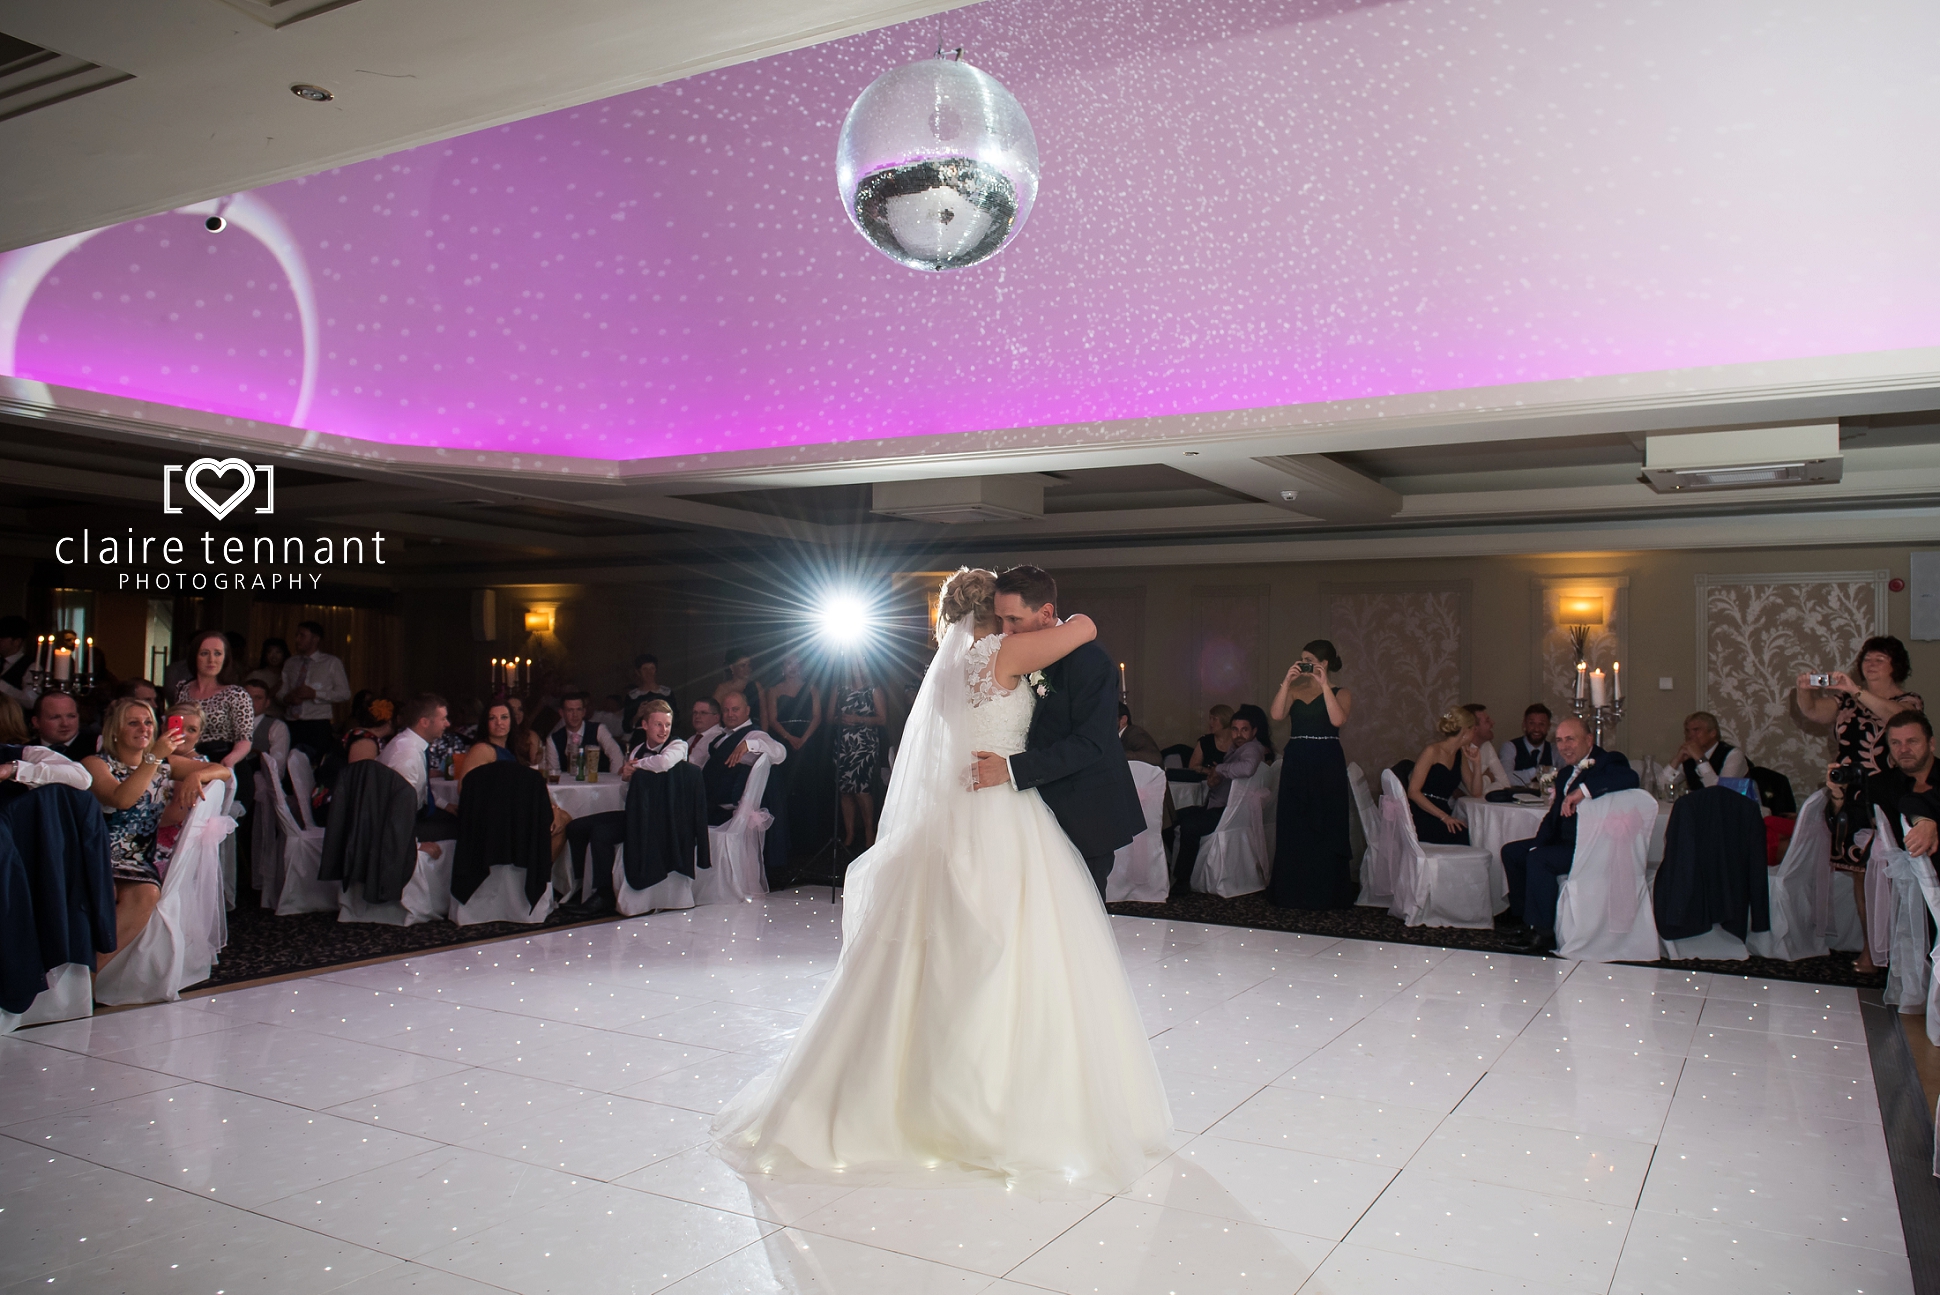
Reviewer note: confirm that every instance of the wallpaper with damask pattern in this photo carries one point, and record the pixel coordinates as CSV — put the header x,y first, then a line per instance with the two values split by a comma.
x,y
1757,639
1401,657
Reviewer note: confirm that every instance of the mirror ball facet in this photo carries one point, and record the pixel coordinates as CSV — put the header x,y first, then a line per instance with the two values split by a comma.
x,y
937,165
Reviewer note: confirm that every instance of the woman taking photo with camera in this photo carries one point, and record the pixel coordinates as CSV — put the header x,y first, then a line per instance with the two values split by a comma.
x,y
1312,859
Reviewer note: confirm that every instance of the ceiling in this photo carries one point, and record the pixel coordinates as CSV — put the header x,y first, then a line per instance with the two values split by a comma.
x,y
1311,270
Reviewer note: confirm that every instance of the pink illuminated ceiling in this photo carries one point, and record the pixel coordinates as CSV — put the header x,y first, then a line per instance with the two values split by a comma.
x,y
1244,204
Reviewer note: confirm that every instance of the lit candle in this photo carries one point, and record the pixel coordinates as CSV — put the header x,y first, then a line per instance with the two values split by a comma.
x,y
1616,680
1124,688
87,666
1596,687
42,645
1580,668
63,663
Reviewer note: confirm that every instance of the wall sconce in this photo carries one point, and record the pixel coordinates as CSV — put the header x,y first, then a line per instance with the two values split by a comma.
x,y
538,620
1580,610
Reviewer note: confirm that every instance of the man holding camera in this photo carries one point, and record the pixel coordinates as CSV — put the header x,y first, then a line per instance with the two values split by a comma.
x,y
1906,790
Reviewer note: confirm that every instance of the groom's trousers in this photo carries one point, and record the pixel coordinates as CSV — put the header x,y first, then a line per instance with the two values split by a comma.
x,y
1100,867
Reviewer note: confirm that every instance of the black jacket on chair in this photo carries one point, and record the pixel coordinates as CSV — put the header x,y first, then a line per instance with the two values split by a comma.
x,y
1714,867
370,840
504,817
726,782
57,893
1074,757
666,825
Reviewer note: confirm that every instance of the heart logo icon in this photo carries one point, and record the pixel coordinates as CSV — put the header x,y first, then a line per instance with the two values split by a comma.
x,y
221,468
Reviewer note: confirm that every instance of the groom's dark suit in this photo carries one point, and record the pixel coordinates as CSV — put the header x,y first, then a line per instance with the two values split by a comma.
x,y
1075,760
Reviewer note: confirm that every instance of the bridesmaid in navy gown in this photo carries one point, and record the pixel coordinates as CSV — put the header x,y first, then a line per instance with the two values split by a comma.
x,y
1446,768
1313,858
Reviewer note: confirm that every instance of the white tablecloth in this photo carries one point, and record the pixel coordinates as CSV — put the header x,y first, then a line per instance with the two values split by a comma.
x,y
1186,793
1492,825
576,798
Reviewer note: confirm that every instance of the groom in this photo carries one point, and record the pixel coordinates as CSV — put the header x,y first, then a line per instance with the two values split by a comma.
x,y
1073,756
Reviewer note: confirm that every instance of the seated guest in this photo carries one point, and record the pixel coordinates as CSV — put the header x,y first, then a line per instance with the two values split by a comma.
x,y
575,733
370,727
25,765
1904,791
270,735
1482,740
1534,865
140,690
1533,749
16,662
1196,822
226,714
646,687
1446,768
57,726
727,757
1139,745
494,740
517,703
657,751
740,678
142,796
1215,742
458,739
409,754
703,723
1705,757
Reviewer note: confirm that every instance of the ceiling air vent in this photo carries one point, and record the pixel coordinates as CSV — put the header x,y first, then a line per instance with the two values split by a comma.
x,y
281,13
1745,459
958,500
32,77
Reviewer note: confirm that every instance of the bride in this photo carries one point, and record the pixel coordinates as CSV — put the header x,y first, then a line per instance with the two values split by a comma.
x,y
979,1018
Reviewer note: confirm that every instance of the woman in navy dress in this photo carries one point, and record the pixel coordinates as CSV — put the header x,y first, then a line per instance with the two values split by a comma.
x,y
1313,859
1447,768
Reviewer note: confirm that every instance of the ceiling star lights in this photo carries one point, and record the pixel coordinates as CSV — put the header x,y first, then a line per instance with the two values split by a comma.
x,y
937,164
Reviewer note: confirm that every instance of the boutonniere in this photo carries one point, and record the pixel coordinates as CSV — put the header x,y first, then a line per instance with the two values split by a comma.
x,y
1039,684
1585,763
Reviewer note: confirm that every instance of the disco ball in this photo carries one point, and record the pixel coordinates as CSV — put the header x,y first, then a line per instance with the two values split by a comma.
x,y
937,165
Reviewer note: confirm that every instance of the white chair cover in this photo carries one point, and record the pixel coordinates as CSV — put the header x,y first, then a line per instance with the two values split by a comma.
x,y
180,943
1377,856
1233,858
1878,882
303,784
1909,970
1436,885
68,997
1138,871
237,811
675,890
296,888
499,898
1603,911
1801,890
735,848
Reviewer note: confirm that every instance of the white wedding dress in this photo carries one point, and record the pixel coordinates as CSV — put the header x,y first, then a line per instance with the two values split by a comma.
x,y
979,1019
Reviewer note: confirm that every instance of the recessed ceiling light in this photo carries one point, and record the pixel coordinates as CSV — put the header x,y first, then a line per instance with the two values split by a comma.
x,y
314,93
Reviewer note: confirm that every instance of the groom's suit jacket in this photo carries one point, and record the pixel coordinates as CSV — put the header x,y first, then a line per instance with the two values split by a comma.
x,y
1074,759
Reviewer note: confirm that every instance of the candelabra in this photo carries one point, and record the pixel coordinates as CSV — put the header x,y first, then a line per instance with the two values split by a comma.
x,y
1592,704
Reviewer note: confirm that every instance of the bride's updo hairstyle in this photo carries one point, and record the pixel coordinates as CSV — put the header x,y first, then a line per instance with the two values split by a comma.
x,y
972,591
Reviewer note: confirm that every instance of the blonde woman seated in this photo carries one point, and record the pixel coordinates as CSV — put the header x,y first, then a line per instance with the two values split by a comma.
x,y
145,789
1448,767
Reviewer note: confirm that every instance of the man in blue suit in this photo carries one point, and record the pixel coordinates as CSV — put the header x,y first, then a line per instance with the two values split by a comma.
x,y
1535,865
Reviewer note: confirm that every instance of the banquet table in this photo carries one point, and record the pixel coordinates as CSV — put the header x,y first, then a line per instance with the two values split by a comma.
x,y
577,798
1492,825
1186,794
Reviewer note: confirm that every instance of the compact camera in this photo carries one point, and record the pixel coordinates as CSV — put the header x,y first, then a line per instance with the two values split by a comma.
x,y
1304,667
1819,680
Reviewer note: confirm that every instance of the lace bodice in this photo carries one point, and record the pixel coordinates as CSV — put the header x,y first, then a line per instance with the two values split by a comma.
x,y
1000,721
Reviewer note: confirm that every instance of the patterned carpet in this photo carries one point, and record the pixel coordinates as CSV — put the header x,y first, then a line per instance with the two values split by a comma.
x,y
1258,912
262,944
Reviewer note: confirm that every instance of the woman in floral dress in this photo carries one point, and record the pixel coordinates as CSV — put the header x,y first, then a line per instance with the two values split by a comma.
x,y
860,715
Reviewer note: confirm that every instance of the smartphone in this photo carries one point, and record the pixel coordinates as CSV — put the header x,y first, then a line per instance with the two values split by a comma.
x,y
175,727
1819,680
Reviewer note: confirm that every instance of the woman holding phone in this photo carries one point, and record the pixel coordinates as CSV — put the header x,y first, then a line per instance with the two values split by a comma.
x,y
1311,866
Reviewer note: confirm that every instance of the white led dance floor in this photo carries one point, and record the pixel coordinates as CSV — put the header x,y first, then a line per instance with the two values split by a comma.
x,y
529,1116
